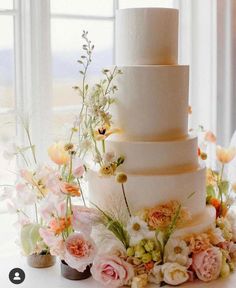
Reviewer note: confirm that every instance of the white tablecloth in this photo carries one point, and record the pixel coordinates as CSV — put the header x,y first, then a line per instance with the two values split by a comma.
x,y
51,278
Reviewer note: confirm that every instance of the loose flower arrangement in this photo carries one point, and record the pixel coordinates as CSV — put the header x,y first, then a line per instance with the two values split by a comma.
x,y
134,250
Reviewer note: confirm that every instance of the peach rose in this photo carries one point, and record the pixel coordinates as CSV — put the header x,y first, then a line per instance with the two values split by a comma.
x,y
207,264
58,154
225,155
80,251
112,271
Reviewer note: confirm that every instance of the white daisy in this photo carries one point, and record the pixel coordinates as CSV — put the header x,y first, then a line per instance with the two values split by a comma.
x,y
177,251
138,230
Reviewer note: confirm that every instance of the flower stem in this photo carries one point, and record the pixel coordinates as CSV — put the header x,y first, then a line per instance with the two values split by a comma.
x,y
126,202
36,212
220,187
82,193
103,146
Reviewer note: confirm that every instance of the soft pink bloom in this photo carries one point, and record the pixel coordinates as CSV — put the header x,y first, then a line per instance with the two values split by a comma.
x,y
210,137
80,251
112,271
207,264
78,168
83,218
55,243
58,153
26,175
52,182
25,194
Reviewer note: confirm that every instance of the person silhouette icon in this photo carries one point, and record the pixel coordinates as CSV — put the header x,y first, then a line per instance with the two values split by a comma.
x,y
17,276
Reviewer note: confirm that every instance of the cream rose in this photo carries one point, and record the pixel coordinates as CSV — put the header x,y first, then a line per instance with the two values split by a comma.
x,y
174,273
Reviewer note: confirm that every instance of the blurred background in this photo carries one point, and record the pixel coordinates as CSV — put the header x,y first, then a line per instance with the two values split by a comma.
x,y
40,43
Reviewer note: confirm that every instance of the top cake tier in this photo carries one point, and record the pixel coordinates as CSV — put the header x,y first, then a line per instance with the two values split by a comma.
x,y
147,36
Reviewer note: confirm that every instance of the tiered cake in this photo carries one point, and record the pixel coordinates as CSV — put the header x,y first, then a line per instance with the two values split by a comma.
x,y
161,159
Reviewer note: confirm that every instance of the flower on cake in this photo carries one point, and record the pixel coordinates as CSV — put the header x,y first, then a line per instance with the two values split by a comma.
x,y
138,230
207,264
199,243
112,271
161,216
177,251
174,273
140,281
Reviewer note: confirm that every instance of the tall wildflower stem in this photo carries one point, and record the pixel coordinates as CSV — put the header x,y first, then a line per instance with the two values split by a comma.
x,y
220,187
82,193
126,202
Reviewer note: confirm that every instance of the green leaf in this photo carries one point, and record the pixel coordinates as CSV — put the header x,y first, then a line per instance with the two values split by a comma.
x,y
223,187
210,190
29,237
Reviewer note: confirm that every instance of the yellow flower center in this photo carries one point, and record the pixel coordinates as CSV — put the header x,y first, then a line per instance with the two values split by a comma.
x,y
178,250
136,227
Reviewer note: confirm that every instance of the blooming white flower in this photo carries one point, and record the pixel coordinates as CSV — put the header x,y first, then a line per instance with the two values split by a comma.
x,y
177,251
156,275
174,273
138,230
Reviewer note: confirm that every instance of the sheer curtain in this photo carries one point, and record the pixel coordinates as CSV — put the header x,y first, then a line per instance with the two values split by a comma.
x,y
208,44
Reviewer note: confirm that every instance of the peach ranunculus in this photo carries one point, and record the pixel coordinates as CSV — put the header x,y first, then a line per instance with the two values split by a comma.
x,y
70,189
58,153
162,215
199,243
210,137
58,225
112,271
207,264
225,155
80,251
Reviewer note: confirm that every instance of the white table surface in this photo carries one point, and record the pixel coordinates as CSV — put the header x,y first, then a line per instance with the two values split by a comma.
x,y
51,278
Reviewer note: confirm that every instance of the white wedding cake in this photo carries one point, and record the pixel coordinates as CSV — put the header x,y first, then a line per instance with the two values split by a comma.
x,y
161,159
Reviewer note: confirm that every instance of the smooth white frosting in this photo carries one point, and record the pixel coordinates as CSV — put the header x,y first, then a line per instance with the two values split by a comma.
x,y
152,102
156,157
146,36
145,191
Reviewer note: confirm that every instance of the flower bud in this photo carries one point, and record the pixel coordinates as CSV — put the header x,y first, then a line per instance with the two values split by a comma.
x,y
156,256
149,246
121,177
147,257
225,269
130,251
139,251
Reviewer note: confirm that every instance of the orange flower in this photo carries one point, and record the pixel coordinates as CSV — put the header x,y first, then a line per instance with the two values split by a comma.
x,y
58,225
210,137
225,155
58,153
215,202
70,189
199,243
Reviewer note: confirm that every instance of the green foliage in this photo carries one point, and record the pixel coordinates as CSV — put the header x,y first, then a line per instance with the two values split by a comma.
x,y
30,237
223,187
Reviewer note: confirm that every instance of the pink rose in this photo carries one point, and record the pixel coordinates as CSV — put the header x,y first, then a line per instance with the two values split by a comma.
x,y
80,251
83,218
112,271
207,264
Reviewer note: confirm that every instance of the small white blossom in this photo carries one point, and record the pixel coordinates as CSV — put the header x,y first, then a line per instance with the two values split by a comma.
x,y
138,230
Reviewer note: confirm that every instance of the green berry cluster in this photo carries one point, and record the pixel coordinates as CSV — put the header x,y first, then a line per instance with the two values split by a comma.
x,y
144,252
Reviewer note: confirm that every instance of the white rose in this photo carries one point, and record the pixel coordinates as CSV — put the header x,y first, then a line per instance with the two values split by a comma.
x,y
174,273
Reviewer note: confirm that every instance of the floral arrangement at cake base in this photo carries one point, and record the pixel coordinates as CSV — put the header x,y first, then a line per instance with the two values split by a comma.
x,y
118,246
